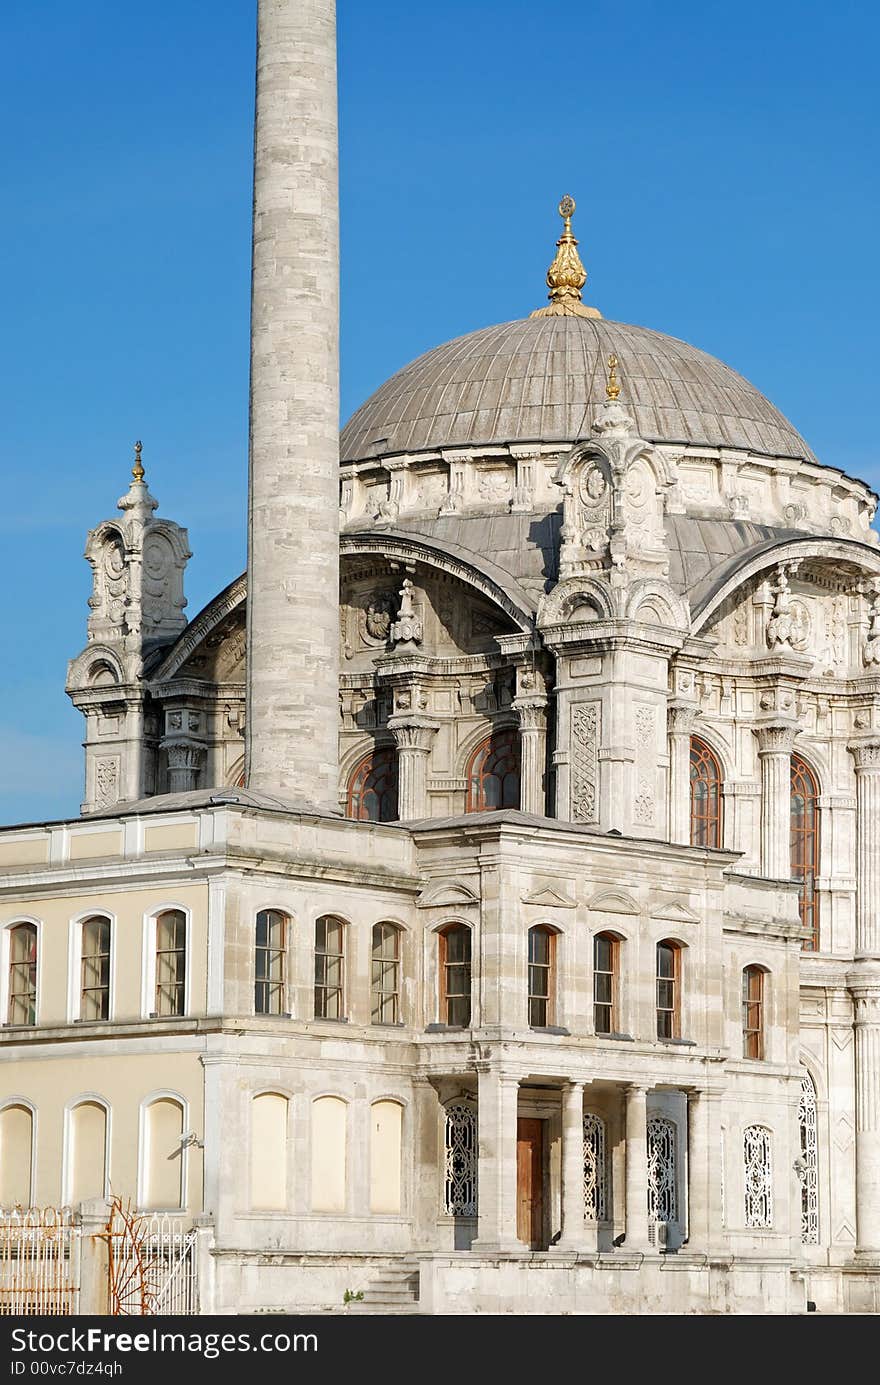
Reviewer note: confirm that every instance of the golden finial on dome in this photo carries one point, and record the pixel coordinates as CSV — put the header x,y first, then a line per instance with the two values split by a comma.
x,y
566,276
612,386
137,470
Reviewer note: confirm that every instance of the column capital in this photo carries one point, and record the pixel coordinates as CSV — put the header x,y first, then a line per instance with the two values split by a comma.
x,y
680,717
866,753
776,737
413,732
531,713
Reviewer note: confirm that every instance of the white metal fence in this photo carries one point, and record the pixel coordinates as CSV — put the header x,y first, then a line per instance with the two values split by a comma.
x,y
39,1262
153,1265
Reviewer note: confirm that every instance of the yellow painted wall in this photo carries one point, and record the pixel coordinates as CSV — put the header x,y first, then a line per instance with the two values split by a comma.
x,y
386,1125
329,1117
86,844
172,836
269,1116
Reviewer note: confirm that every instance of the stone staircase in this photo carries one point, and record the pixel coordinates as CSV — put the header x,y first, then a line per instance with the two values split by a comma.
x,y
394,1290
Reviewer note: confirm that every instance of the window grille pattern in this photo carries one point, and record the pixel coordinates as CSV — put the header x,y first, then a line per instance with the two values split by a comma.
x,y
22,1008
385,979
662,1193
810,1155
757,1176
493,774
372,790
269,962
170,962
460,1186
805,845
595,1172
706,787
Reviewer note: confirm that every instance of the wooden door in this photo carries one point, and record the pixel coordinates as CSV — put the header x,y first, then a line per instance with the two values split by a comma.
x,y
530,1182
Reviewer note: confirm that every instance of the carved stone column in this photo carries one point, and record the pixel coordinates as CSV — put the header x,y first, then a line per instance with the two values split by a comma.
x,y
704,1210
413,736
680,720
532,715
636,1168
496,1178
865,990
185,760
866,754
574,1230
775,740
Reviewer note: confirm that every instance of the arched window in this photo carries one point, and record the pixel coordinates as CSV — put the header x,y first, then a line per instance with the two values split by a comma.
x,y
372,789
170,963
87,1152
269,1121
16,1155
22,1003
662,1174
329,1120
668,990
455,975
95,969
809,1173
270,962
753,1012
595,1175
805,844
757,1177
706,786
329,968
386,1130
605,981
460,1179
542,981
385,976
164,1155
493,774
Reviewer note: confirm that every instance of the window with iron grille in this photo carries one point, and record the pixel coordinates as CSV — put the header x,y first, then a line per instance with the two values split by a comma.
x,y
171,962
270,962
329,968
95,969
22,1005
385,979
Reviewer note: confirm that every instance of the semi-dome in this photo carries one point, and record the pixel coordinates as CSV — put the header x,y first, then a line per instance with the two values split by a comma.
x,y
541,378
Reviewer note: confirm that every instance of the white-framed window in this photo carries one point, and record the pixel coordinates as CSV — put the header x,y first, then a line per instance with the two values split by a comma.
x,y
166,970
329,1154
163,1152
92,966
18,1152
86,1158
269,1157
20,964
758,1176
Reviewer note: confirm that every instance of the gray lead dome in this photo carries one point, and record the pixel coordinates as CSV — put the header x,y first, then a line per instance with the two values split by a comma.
x,y
540,380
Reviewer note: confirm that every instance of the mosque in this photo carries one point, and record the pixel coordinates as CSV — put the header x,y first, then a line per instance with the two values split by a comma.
x,y
477,905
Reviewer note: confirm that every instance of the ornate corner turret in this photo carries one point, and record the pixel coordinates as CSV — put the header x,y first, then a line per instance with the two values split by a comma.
x,y
135,609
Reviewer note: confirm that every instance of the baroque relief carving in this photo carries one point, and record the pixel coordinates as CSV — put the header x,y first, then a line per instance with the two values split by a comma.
x,y
585,762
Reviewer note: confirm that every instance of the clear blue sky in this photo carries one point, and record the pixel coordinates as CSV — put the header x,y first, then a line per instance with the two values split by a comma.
x,y
724,160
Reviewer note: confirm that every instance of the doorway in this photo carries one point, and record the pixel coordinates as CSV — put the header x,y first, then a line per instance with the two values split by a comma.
x,y
530,1182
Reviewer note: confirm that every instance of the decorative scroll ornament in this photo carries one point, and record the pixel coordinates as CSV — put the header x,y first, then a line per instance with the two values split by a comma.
x,y
757,1177
566,275
786,626
407,629
809,1163
585,762
662,1196
595,1173
460,1183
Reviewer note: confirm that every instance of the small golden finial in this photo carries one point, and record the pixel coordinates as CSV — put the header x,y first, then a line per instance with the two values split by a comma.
x,y
566,276
137,470
612,386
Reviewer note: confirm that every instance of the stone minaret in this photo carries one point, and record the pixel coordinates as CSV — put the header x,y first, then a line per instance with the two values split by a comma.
x,y
293,522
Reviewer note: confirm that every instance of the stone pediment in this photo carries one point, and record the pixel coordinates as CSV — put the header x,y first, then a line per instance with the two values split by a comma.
x,y
613,902
445,893
550,897
675,912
